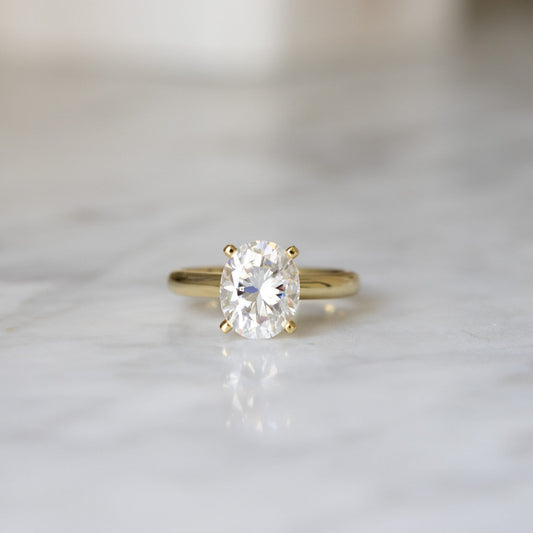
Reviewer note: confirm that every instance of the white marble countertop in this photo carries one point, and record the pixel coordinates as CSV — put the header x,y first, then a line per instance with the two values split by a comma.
x,y
408,408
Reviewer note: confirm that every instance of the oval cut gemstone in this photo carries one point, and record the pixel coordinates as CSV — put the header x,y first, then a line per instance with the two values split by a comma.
x,y
259,289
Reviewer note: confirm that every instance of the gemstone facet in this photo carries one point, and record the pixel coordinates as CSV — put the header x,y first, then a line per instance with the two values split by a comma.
x,y
259,289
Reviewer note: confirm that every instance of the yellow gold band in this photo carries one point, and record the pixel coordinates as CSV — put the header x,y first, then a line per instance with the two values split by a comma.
x,y
315,283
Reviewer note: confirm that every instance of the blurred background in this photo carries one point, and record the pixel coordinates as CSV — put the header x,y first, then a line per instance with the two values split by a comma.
x,y
239,38
393,137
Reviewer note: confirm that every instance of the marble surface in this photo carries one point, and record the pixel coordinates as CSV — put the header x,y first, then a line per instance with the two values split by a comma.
x,y
408,408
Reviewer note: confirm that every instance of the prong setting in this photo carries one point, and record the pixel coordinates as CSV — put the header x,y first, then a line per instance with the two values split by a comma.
x,y
290,327
259,271
225,326
292,252
230,249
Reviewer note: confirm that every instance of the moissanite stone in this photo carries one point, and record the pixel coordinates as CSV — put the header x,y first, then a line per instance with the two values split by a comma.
x,y
259,289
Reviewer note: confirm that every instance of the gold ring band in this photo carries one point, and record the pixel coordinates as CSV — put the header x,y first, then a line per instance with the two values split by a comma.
x,y
315,283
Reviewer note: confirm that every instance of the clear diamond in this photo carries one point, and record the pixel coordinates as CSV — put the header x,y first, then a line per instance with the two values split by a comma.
x,y
259,290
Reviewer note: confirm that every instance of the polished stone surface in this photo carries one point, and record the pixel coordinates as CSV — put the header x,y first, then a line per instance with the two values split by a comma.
x,y
408,408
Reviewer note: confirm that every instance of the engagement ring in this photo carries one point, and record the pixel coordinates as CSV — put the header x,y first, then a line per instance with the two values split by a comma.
x,y
260,287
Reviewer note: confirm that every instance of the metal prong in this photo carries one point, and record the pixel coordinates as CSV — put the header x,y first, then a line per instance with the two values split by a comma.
x,y
230,249
292,252
225,326
289,326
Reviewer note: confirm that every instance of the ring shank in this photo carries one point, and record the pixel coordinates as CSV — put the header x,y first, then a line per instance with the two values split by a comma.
x,y
315,283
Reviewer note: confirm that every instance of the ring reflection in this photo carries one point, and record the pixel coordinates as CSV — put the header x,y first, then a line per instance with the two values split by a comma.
x,y
254,391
